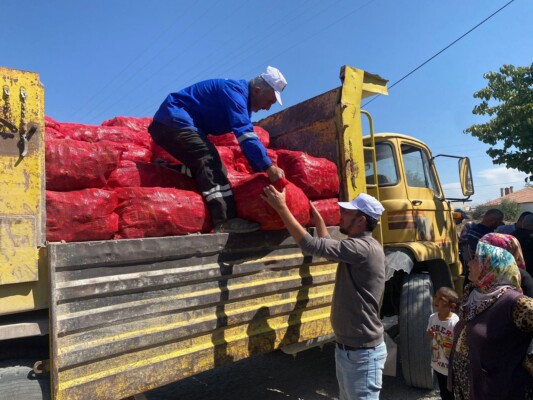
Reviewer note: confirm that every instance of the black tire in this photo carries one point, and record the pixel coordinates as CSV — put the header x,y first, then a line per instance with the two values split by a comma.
x,y
18,381
416,305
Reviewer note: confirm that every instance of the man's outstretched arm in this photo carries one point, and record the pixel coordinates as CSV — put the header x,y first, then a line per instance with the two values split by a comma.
x,y
277,201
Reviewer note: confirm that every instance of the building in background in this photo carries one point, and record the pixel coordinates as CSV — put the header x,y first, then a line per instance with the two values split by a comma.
x,y
523,197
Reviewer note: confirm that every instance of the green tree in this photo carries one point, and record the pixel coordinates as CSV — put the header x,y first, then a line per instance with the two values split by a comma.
x,y
510,209
508,101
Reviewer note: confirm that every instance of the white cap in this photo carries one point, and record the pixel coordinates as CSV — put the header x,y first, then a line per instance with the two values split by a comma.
x,y
276,80
366,204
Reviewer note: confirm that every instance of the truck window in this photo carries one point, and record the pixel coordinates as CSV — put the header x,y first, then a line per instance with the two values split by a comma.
x,y
418,170
385,163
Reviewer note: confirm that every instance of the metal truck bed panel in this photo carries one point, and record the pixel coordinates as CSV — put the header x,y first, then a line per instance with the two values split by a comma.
x,y
308,126
131,315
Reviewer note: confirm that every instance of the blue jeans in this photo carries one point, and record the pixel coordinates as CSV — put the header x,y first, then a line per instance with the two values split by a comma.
x,y
360,372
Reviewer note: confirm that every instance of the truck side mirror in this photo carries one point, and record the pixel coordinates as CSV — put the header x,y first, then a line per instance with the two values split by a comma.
x,y
465,173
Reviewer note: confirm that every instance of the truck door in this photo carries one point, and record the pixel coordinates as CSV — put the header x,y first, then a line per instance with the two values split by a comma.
x,y
397,222
22,218
430,210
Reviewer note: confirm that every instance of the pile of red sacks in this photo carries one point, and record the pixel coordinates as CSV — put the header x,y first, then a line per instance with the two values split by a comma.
x,y
104,182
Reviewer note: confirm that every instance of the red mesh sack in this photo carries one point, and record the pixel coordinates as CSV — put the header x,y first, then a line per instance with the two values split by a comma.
x,y
139,174
81,215
229,139
134,123
330,211
159,153
72,164
235,177
52,133
102,228
95,133
226,155
241,162
317,177
251,206
51,123
129,151
153,212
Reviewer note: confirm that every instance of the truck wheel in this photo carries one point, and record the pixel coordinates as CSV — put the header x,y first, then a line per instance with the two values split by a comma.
x,y
18,381
416,306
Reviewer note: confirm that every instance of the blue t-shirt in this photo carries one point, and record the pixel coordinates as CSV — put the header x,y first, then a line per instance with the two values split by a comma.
x,y
215,107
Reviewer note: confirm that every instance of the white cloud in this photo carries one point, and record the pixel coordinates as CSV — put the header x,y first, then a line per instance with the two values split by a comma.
x,y
502,175
487,183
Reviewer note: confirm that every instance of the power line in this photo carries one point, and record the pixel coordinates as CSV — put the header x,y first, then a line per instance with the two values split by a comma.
x,y
131,63
440,52
281,35
241,51
501,183
97,110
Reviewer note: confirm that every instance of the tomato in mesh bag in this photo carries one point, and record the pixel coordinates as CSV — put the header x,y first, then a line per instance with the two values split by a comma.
x,y
95,133
139,174
73,165
51,123
317,177
153,212
52,133
251,206
133,123
241,162
329,210
160,154
81,215
130,151
229,139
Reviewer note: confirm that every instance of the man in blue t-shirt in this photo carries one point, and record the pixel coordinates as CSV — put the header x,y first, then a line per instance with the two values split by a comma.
x,y
215,107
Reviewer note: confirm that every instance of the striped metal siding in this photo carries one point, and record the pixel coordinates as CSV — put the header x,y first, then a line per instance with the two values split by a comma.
x,y
131,315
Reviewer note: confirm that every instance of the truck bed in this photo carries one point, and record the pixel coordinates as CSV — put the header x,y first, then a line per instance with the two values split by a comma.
x,y
131,315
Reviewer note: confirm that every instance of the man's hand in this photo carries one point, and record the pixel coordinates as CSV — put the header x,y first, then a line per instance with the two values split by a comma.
x,y
275,198
314,213
320,225
274,173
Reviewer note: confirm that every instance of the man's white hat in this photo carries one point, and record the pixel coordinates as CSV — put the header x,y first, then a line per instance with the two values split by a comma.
x,y
276,80
366,204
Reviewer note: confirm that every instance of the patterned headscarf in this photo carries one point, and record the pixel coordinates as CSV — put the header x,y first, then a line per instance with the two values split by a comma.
x,y
506,242
499,272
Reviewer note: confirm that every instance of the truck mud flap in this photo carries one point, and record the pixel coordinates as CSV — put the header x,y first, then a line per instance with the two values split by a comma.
x,y
131,315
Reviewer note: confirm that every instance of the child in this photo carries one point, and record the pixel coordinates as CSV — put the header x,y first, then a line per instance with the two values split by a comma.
x,y
440,328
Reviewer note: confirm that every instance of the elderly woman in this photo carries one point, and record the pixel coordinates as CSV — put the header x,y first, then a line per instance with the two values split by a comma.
x,y
489,355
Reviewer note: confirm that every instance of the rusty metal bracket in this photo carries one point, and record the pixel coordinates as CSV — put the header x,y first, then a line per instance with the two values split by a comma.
x,y
41,367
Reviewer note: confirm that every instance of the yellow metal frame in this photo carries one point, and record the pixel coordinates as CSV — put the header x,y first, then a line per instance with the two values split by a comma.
x,y
356,85
22,216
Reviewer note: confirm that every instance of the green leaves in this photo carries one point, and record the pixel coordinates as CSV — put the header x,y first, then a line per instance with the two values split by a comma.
x,y
508,102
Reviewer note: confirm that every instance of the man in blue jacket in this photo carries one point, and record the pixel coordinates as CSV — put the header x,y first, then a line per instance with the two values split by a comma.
x,y
215,107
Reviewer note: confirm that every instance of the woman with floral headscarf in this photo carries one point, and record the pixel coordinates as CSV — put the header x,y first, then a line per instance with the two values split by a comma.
x,y
512,245
489,355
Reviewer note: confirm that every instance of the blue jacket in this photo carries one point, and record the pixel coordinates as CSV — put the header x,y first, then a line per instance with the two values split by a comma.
x,y
215,107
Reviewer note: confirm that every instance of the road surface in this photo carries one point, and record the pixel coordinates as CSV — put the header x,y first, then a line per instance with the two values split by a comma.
x,y
308,376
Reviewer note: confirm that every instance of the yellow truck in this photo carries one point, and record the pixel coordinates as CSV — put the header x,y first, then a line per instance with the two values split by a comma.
x,y
111,319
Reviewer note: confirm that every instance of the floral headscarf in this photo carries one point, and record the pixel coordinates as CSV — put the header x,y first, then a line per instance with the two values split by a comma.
x,y
506,242
499,272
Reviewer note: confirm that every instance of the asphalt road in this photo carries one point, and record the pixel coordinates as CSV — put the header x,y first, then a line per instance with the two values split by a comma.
x,y
273,376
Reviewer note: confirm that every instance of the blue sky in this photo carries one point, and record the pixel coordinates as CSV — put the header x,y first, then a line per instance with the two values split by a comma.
x,y
100,59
